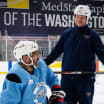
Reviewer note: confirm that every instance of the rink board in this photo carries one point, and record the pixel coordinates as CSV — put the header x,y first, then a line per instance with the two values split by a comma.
x,y
56,66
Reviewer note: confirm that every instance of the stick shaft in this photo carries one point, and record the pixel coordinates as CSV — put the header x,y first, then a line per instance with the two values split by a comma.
x,y
76,72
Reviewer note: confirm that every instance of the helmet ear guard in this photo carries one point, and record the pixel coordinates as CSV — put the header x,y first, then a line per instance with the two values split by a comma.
x,y
41,51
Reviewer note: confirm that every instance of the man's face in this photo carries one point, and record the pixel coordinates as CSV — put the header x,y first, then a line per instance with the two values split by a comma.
x,y
35,57
80,20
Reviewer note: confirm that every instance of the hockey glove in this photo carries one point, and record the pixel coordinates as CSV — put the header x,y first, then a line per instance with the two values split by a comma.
x,y
57,95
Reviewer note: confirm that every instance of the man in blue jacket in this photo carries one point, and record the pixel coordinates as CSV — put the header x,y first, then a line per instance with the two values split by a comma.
x,y
79,46
26,82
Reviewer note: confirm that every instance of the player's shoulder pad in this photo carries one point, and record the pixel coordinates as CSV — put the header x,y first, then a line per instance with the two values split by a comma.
x,y
13,77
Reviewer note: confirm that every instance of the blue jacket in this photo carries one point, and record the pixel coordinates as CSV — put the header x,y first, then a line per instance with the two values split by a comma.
x,y
79,46
31,89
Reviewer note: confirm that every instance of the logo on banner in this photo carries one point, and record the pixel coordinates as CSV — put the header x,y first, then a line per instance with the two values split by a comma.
x,y
19,4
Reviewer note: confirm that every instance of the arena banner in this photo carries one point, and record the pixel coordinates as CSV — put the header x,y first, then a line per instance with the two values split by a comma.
x,y
50,17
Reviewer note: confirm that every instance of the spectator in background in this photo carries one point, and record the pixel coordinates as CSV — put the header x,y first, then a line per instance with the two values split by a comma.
x,y
79,46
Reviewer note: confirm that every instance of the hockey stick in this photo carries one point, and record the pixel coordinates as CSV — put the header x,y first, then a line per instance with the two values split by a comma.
x,y
76,72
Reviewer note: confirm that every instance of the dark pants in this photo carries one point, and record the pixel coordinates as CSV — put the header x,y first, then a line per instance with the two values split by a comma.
x,y
78,88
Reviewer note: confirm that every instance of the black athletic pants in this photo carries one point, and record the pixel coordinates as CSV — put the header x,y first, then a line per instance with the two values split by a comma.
x,y
78,88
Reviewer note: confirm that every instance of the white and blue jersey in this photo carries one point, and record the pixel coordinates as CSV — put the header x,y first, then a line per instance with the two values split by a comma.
x,y
31,89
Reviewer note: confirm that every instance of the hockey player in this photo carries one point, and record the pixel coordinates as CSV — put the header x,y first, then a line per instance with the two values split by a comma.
x,y
26,82
78,45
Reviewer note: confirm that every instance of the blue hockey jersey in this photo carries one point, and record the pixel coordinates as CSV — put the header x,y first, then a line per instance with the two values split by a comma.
x,y
32,89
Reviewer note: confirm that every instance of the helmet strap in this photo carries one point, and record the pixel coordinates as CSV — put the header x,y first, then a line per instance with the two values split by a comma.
x,y
29,55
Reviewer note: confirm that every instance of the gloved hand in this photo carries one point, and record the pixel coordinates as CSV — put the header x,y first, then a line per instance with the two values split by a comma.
x,y
57,95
